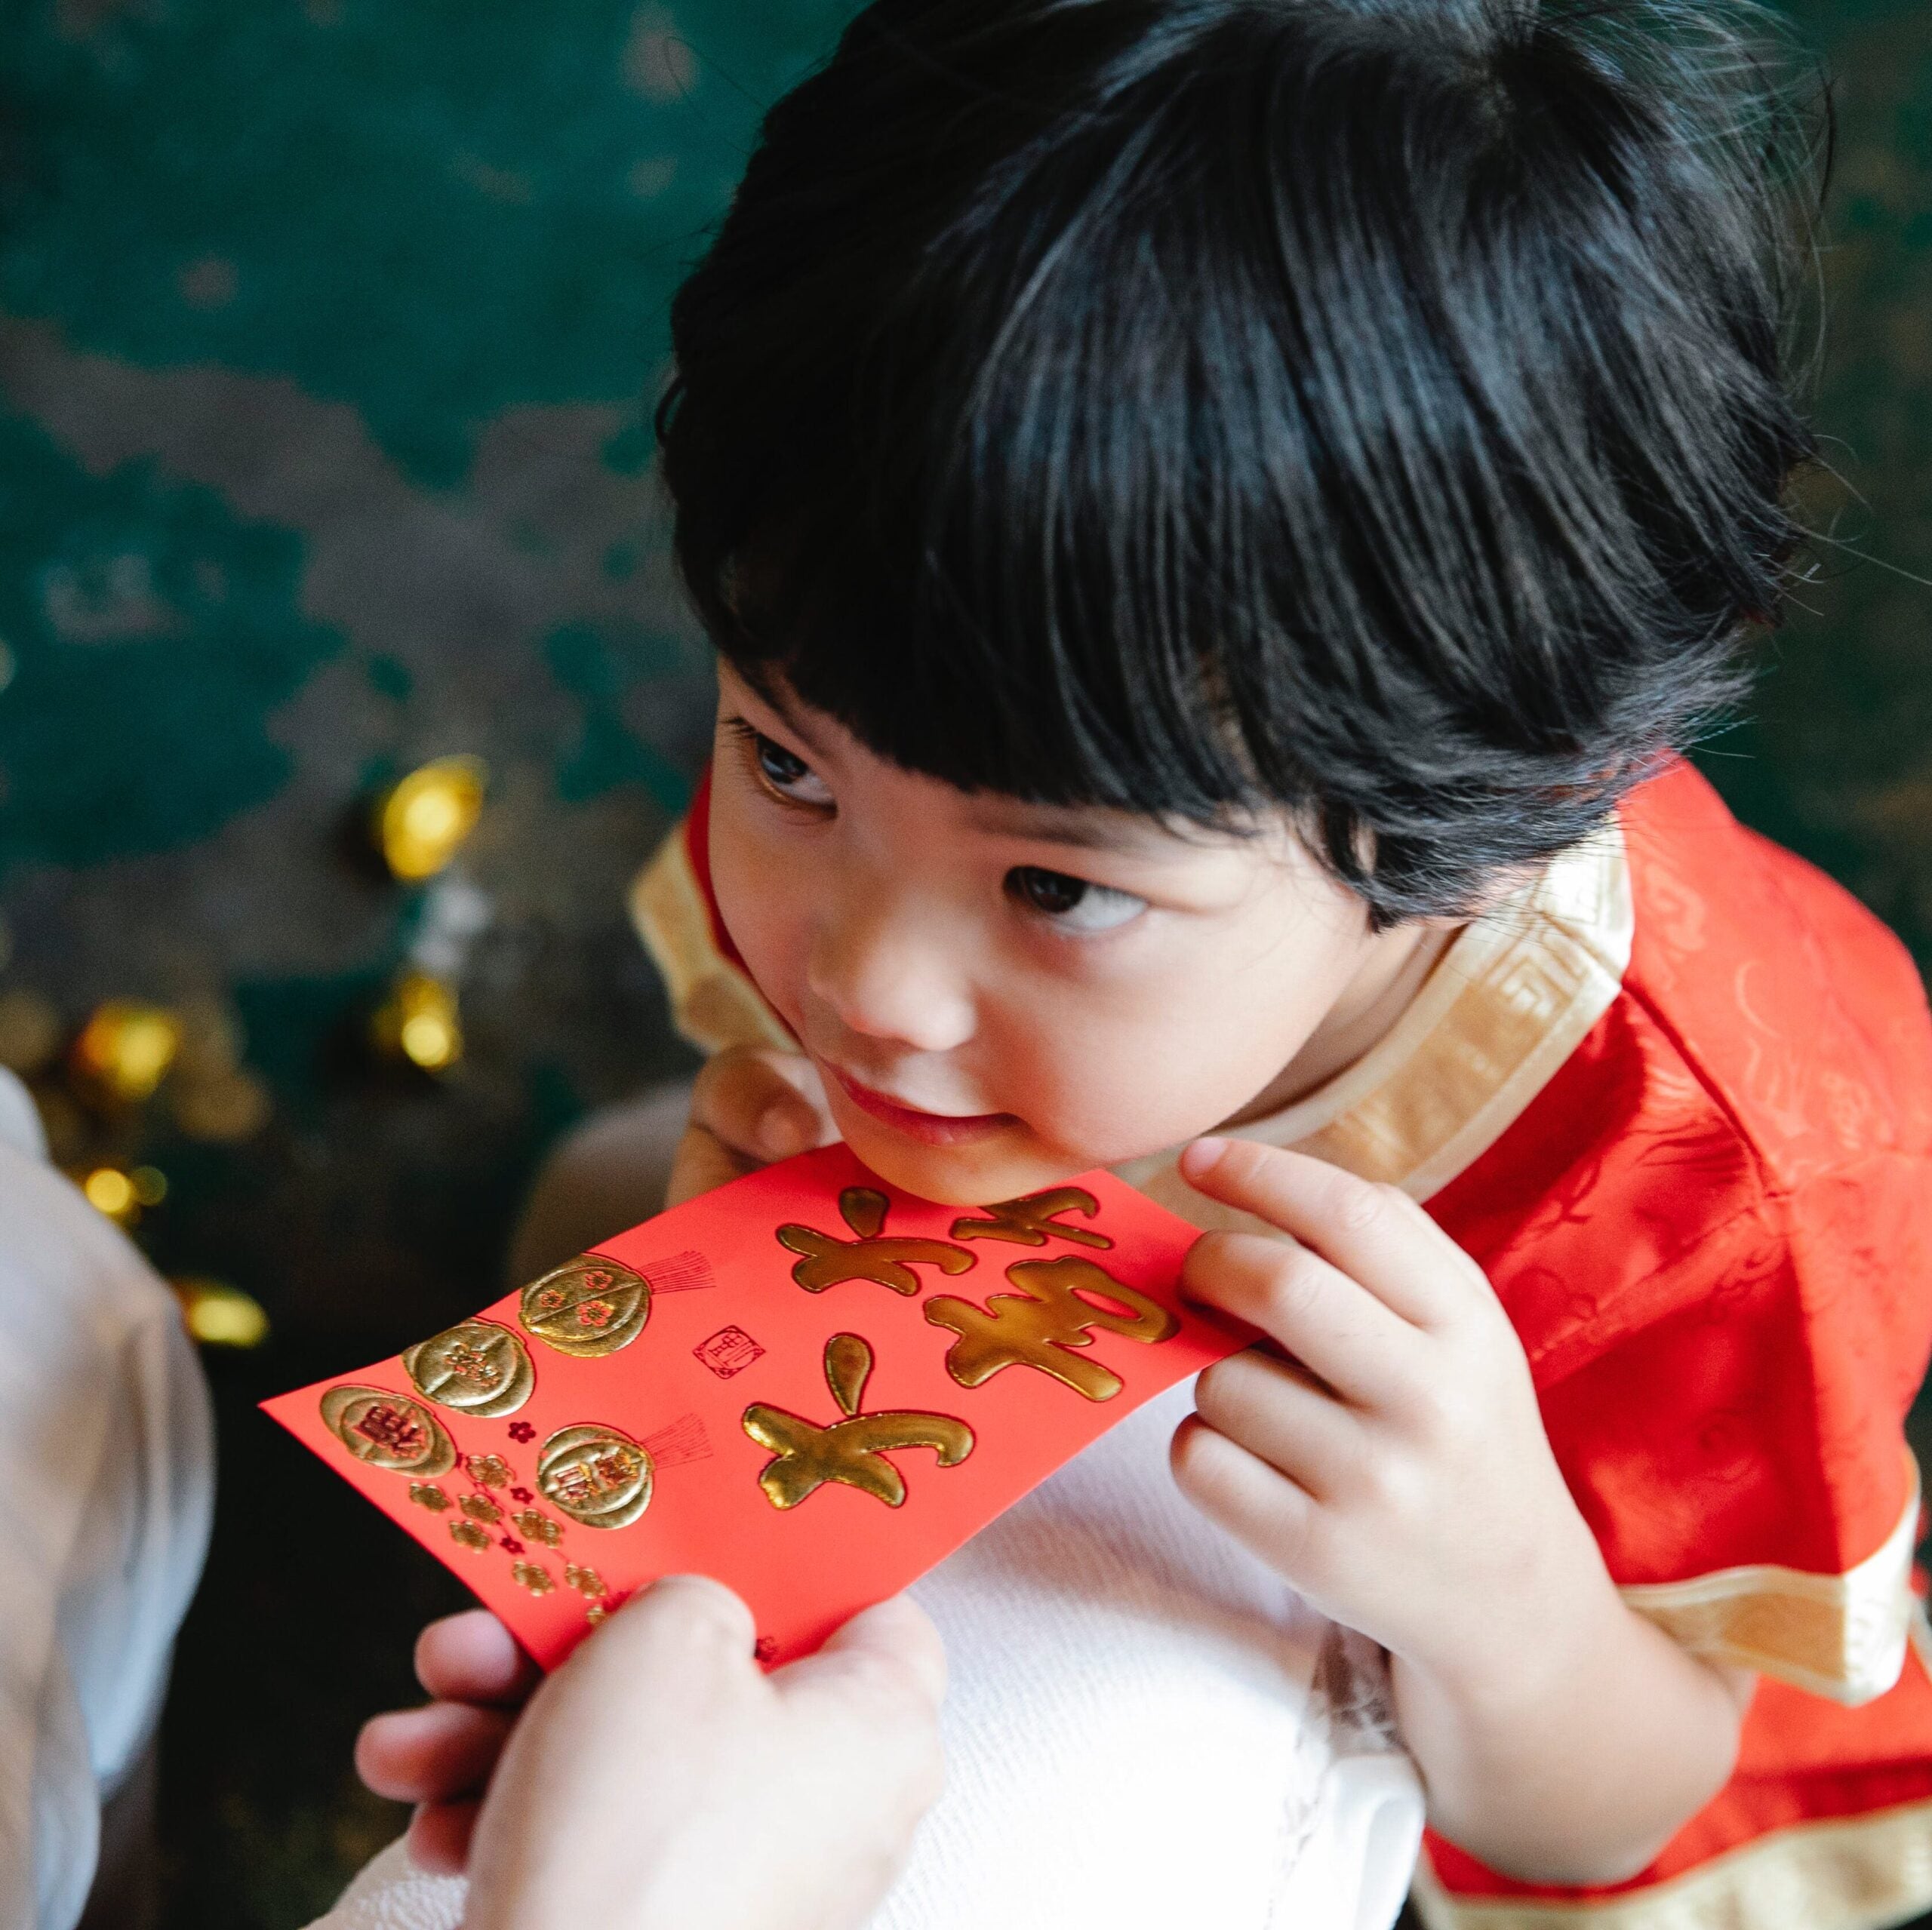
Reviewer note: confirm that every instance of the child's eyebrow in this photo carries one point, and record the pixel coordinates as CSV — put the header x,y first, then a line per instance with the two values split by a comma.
x,y
1085,828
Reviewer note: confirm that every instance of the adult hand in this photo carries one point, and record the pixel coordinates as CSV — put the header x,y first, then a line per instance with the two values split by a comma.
x,y
661,1781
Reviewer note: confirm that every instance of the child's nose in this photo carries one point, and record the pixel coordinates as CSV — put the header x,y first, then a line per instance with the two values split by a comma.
x,y
889,972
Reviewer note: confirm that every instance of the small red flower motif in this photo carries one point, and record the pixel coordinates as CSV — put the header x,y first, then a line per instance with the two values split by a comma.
x,y
521,1430
521,1495
511,1544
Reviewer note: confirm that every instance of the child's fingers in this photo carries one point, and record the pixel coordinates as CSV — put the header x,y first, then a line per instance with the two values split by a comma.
x,y
763,1105
1375,1234
1335,1328
702,1163
472,1658
431,1754
1276,1410
439,1837
1255,1503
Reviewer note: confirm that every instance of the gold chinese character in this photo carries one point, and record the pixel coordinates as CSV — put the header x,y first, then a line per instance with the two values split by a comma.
x,y
889,1261
852,1450
1028,1222
1056,1314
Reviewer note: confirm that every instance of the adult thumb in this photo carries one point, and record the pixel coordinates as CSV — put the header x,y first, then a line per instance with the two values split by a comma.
x,y
899,1634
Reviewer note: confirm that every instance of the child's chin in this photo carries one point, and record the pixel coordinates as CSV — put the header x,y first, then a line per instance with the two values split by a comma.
x,y
1003,1167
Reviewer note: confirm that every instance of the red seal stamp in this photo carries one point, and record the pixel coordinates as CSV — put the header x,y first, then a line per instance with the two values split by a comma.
x,y
730,1350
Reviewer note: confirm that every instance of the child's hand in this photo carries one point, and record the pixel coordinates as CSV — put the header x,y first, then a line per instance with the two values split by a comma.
x,y
751,1105
1393,1466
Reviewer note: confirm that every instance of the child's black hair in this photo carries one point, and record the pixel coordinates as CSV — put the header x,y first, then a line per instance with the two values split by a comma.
x,y
1198,406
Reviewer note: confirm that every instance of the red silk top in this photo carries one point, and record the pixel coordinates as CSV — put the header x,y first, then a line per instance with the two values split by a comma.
x,y
1676,1102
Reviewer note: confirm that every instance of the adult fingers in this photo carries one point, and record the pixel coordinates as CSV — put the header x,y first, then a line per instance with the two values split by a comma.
x,y
431,1754
472,1658
440,1834
763,1104
876,1686
1334,1326
678,1620
1256,1504
897,1635
1278,1410
1375,1234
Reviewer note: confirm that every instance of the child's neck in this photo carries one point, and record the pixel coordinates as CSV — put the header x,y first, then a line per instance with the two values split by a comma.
x,y
1399,965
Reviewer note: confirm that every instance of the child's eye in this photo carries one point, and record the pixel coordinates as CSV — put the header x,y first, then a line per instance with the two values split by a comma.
x,y
788,775
1073,903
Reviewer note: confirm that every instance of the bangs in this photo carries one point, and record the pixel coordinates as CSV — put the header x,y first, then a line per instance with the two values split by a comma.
x,y
1018,532
1201,408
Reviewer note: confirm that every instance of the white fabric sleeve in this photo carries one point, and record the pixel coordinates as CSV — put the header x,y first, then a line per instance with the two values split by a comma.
x,y
107,1456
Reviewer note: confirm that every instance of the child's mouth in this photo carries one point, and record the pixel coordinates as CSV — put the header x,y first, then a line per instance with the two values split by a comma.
x,y
930,1129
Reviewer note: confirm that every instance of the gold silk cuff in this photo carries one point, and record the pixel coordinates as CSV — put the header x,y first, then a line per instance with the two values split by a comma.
x,y
1839,1635
1853,1873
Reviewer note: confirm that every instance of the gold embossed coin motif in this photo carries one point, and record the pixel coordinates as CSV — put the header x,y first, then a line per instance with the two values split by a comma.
x,y
595,1475
475,1367
587,1307
388,1431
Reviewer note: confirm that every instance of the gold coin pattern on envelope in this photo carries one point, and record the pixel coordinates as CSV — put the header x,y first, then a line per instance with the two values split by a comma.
x,y
587,1307
388,1431
595,1475
475,1367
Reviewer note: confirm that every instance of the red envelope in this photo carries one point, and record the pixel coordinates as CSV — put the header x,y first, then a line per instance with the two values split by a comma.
x,y
807,1384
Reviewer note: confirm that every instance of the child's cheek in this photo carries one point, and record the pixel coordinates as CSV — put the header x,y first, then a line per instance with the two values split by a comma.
x,y
1103,1094
765,907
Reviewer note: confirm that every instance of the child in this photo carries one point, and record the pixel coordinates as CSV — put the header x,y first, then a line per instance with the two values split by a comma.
x,y
1217,516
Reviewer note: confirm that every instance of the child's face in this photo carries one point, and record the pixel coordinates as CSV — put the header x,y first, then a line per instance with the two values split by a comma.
x,y
1000,995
